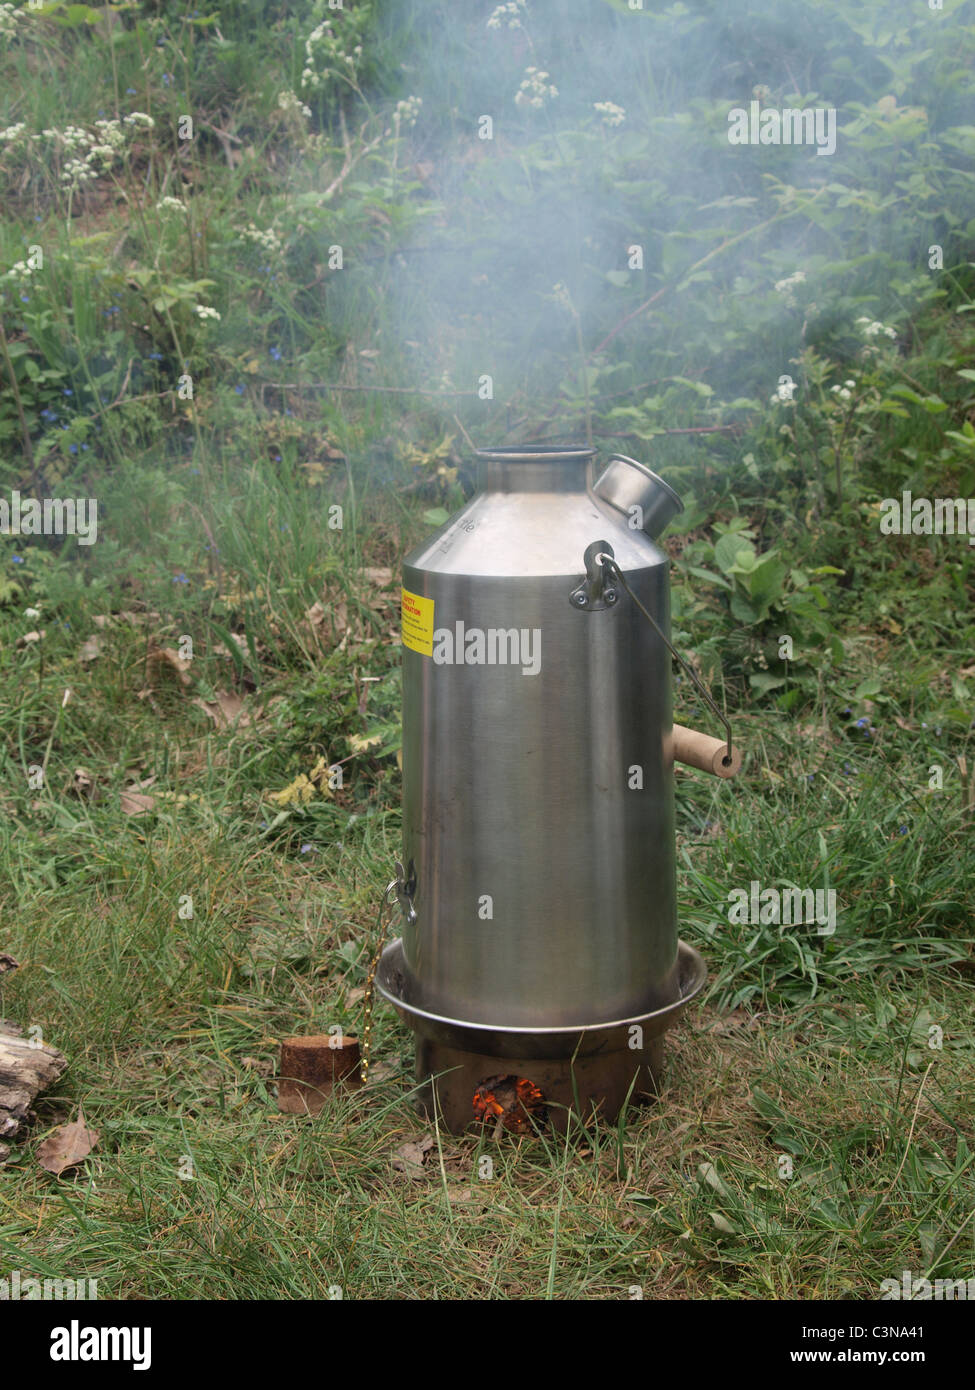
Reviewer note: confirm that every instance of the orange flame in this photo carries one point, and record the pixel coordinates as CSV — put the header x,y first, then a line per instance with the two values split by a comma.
x,y
512,1101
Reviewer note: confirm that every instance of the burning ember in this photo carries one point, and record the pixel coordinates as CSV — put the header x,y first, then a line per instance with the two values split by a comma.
x,y
513,1102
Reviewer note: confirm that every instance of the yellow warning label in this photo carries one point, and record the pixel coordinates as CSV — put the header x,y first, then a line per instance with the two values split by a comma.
x,y
418,623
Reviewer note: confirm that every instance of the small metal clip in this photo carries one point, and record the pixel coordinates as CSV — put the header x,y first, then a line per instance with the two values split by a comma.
x,y
595,592
405,889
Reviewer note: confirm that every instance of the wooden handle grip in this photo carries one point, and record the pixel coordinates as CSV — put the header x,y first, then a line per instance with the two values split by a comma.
x,y
695,749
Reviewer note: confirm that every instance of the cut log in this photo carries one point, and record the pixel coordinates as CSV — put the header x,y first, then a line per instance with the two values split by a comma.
x,y
312,1068
26,1069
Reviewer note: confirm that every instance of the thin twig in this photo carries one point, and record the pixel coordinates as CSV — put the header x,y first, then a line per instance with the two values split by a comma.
x,y
470,443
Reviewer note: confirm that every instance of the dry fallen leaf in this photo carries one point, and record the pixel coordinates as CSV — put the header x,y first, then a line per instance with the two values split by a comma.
x,y
92,649
361,744
67,1145
296,793
353,997
381,577
82,782
136,803
162,659
7,963
239,644
409,1158
30,637
737,1020
225,711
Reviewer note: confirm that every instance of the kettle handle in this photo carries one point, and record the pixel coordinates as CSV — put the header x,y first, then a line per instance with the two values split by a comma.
x,y
728,759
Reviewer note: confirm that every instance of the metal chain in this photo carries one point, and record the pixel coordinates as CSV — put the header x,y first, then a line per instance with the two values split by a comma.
x,y
609,563
382,929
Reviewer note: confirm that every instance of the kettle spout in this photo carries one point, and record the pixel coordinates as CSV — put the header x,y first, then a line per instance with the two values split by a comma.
x,y
649,502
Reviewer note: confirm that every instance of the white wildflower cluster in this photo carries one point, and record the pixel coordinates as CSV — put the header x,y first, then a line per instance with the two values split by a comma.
x,y
13,133
72,137
787,287
9,17
507,16
783,393
535,89
206,311
407,111
169,204
111,134
292,105
844,392
326,52
19,271
798,277
268,239
94,151
872,328
610,113
77,172
107,143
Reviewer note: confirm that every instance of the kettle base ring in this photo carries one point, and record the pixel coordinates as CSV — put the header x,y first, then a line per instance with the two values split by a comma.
x,y
580,1069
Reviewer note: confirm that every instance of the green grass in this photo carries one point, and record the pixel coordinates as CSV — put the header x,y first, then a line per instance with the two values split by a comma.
x,y
216,524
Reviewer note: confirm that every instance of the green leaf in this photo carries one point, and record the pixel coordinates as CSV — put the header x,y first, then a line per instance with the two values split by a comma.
x,y
871,686
436,516
744,612
723,1224
745,562
767,580
727,549
711,578
707,1173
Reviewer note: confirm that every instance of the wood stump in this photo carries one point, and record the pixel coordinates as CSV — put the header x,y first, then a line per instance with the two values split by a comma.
x,y
312,1067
